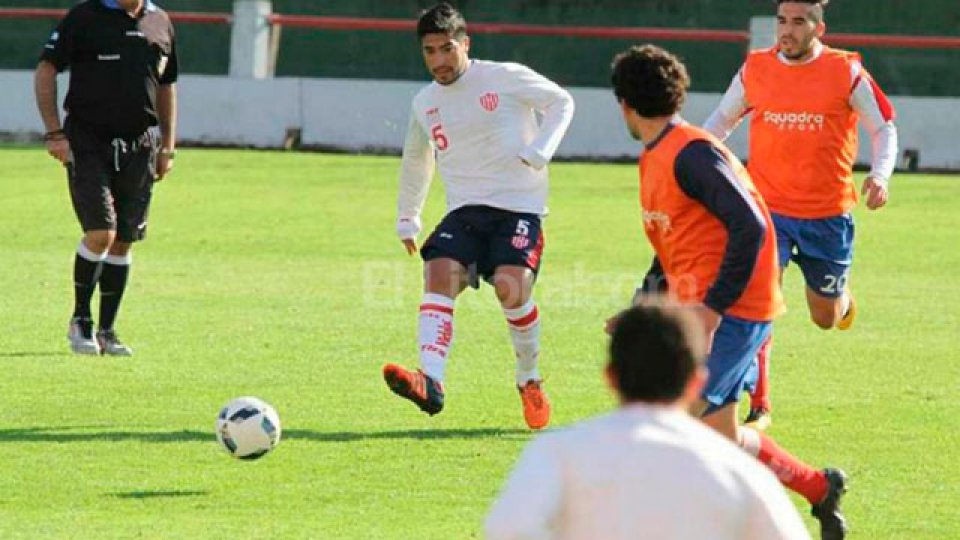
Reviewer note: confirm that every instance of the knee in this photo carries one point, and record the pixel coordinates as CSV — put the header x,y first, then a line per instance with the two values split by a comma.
x,y
509,291
120,249
99,241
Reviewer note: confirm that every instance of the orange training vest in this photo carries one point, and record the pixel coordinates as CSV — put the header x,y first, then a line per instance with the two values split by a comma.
x,y
690,241
803,132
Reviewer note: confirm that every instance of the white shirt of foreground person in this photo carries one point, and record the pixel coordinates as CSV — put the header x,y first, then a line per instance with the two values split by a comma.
x,y
643,471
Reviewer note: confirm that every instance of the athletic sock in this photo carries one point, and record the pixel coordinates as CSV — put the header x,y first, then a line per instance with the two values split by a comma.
x,y
524,325
435,333
811,483
760,398
86,272
113,281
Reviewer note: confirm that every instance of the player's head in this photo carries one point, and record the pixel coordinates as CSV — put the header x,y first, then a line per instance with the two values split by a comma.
x,y
799,26
444,42
657,353
649,82
129,5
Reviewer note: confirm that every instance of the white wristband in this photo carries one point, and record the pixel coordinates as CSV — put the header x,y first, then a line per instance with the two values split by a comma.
x,y
408,227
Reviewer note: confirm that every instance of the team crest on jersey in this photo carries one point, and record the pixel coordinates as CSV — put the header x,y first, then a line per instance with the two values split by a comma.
x,y
433,116
489,101
520,242
653,219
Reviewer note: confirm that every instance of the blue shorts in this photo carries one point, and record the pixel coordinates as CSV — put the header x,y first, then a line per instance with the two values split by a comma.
x,y
823,248
732,360
481,238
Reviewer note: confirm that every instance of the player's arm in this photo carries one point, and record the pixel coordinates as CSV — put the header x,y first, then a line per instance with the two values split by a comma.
x,y
731,110
530,502
54,59
556,105
705,175
877,115
167,112
654,282
416,171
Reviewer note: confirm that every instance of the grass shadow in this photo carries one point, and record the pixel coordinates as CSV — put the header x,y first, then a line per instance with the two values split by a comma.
x,y
99,434
32,354
157,494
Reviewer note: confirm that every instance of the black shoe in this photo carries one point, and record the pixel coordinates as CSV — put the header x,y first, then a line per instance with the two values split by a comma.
x,y
833,526
758,419
416,386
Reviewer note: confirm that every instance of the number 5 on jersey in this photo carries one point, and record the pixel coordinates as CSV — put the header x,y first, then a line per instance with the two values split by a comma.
x,y
436,133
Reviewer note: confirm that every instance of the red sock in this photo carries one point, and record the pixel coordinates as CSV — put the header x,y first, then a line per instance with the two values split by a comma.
x,y
760,398
793,473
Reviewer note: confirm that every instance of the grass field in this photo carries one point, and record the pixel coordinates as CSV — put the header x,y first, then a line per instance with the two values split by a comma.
x,y
279,275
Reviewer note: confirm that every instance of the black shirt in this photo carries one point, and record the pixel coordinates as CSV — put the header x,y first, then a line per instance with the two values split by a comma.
x,y
703,173
116,64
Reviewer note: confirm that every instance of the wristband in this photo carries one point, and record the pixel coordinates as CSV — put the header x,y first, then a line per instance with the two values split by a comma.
x,y
54,135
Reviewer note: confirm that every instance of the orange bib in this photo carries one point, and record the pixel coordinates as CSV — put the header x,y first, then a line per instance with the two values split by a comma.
x,y
690,241
803,132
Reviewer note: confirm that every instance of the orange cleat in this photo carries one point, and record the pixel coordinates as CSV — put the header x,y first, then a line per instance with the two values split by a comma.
x,y
847,320
536,406
416,386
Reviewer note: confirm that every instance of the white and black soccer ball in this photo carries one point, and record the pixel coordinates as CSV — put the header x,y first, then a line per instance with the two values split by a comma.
x,y
248,428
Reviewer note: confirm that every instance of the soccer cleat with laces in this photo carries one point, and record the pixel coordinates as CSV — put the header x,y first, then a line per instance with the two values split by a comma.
x,y
536,406
80,336
758,419
416,386
833,526
111,345
847,320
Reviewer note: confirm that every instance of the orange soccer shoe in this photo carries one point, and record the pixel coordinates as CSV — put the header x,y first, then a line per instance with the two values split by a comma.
x,y
536,405
416,386
847,320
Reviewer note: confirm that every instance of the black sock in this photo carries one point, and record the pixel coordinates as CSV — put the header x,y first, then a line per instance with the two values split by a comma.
x,y
85,276
113,281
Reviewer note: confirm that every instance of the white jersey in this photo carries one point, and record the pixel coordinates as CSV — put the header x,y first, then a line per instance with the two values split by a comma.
x,y
875,118
480,129
644,471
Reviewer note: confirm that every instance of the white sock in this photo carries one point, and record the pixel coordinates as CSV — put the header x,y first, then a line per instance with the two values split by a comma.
x,y
524,325
435,333
844,304
749,440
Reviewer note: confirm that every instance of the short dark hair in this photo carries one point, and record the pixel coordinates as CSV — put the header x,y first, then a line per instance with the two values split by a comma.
x,y
655,349
650,80
816,15
442,19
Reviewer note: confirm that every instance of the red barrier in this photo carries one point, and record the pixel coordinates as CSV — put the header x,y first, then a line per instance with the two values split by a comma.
x,y
175,16
598,32
602,32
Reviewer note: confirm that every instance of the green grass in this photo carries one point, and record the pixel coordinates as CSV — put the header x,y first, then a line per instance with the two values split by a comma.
x,y
279,275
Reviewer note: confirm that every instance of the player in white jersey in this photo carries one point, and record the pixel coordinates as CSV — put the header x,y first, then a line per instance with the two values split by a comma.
x,y
648,469
478,123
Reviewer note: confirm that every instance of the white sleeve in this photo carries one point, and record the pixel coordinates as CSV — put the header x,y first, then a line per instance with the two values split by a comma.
x,y
416,170
546,96
529,504
876,114
733,105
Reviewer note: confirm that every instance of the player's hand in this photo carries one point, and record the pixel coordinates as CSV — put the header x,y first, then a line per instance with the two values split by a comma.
x,y
407,229
59,149
875,192
710,321
164,165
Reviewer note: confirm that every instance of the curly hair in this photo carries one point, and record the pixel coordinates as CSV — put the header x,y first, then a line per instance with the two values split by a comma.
x,y
442,19
650,80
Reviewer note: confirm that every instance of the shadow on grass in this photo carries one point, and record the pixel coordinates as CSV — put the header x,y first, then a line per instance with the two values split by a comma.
x,y
32,354
157,494
98,434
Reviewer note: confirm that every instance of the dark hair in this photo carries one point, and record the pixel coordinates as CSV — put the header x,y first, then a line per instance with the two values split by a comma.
x,y
655,348
816,14
442,19
650,80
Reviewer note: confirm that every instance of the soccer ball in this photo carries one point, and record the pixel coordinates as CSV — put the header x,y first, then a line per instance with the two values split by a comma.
x,y
248,428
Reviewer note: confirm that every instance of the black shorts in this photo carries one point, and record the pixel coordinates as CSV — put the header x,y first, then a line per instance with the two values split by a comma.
x,y
111,180
482,238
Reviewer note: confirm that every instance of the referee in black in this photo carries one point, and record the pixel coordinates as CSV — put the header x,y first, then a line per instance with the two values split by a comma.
x,y
123,68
